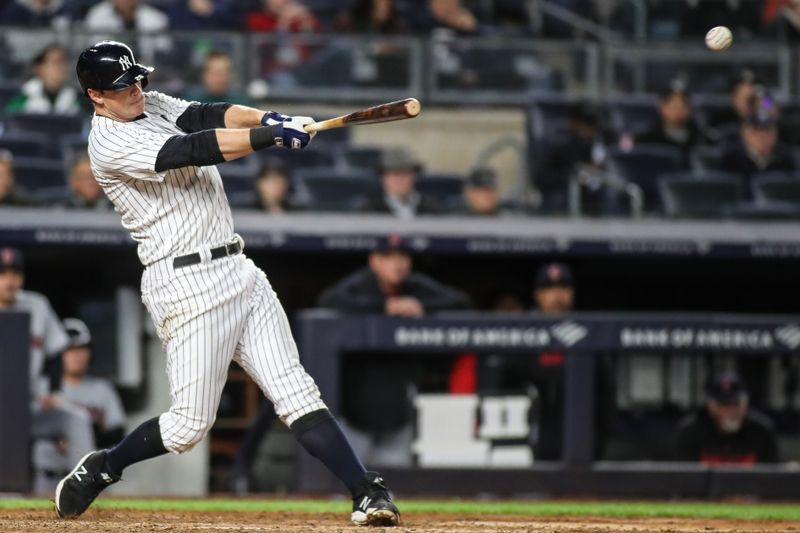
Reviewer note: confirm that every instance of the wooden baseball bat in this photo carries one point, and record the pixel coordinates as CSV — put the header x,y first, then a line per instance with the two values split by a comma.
x,y
399,110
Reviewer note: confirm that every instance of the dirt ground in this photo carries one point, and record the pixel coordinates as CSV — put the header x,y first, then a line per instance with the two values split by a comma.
x,y
116,521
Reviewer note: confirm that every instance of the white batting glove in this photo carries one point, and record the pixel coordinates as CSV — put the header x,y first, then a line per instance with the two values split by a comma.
x,y
294,134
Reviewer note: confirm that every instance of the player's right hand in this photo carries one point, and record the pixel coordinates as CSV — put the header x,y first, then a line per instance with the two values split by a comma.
x,y
294,134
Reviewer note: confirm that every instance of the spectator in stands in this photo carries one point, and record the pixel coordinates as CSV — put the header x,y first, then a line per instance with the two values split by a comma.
x,y
96,395
86,192
128,15
399,172
282,16
204,15
758,149
371,16
582,151
676,126
553,291
218,82
10,194
272,187
444,14
67,430
480,193
726,431
34,13
389,286
48,91
743,93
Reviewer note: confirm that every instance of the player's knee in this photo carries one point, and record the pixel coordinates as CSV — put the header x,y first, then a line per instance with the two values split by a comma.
x,y
189,432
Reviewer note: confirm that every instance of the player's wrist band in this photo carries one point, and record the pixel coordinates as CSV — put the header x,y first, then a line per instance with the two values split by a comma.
x,y
265,137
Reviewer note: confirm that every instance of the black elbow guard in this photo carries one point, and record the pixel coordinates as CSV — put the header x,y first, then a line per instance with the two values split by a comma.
x,y
199,149
199,117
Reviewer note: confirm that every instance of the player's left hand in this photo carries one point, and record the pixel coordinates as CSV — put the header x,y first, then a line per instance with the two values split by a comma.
x,y
294,134
271,118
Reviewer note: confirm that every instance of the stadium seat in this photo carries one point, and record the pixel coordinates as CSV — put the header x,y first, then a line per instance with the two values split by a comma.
x,y
240,174
446,189
367,157
643,165
776,187
328,189
633,115
53,125
710,196
7,92
295,159
26,144
34,173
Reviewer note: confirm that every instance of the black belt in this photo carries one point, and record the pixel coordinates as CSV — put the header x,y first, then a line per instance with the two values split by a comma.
x,y
216,253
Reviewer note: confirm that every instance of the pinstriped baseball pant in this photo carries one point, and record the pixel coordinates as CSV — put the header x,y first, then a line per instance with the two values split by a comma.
x,y
207,315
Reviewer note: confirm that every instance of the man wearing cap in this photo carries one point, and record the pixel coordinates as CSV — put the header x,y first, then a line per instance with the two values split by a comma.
x,y
95,394
725,431
494,373
68,430
399,172
759,149
675,126
389,286
480,193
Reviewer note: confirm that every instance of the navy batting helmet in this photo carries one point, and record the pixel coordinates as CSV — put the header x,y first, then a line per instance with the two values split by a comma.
x,y
109,66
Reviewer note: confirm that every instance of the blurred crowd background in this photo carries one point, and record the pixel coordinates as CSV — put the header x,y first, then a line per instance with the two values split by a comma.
x,y
611,110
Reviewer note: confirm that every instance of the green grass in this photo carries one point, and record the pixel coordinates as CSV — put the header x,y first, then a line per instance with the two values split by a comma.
x,y
732,511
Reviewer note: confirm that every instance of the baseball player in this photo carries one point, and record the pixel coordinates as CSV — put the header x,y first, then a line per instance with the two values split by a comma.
x,y
155,156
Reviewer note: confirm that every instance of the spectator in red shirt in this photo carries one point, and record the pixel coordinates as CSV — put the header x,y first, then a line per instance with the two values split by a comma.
x,y
282,16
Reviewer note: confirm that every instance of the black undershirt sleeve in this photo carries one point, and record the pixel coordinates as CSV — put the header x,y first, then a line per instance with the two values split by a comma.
x,y
198,117
199,149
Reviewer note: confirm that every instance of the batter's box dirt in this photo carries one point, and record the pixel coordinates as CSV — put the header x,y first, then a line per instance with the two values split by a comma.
x,y
119,521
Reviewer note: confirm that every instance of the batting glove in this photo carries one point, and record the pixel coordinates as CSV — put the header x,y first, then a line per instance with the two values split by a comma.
x,y
272,118
293,135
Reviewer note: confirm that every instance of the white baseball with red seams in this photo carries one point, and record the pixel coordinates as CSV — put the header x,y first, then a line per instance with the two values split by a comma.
x,y
719,38
209,313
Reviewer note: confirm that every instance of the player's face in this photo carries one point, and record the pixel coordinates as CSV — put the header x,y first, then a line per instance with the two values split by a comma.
x,y
10,285
728,417
76,361
554,299
124,105
390,268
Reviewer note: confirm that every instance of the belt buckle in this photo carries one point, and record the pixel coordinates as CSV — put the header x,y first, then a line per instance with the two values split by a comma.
x,y
237,239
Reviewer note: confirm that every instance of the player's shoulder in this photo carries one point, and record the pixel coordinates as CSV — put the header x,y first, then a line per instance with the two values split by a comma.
x,y
32,300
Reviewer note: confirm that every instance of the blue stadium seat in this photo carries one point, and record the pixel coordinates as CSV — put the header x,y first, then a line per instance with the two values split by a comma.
x,y
53,125
329,189
240,174
776,187
643,165
35,173
700,196
445,188
26,144
296,159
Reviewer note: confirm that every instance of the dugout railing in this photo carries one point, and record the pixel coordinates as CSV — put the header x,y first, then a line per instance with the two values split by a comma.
x,y
324,337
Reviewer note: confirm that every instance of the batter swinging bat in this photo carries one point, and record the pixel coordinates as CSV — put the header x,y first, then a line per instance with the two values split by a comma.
x,y
399,110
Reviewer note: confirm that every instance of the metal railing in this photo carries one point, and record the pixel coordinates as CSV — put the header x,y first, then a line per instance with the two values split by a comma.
x,y
440,69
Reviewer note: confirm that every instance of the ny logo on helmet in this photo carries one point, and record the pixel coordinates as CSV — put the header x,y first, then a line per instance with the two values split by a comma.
x,y
125,62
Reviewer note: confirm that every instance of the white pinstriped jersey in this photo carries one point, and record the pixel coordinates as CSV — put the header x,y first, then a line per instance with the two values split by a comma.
x,y
168,213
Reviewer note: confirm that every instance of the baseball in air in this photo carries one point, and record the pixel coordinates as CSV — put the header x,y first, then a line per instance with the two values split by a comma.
x,y
719,38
